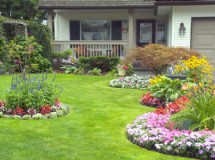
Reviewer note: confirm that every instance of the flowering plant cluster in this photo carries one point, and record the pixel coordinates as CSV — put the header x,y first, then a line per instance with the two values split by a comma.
x,y
195,69
46,111
149,100
173,107
134,81
122,66
152,131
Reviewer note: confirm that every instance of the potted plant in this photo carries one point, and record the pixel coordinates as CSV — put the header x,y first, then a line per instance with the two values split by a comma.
x,y
122,68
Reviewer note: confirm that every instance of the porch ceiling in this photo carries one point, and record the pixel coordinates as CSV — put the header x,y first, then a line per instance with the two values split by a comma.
x,y
73,4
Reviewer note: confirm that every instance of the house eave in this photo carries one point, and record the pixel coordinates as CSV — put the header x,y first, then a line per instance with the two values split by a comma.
x,y
97,7
181,3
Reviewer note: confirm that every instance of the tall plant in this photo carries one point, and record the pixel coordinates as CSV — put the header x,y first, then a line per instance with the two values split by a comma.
x,y
199,113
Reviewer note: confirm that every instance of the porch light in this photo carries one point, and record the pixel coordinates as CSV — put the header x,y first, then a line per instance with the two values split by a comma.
x,y
182,29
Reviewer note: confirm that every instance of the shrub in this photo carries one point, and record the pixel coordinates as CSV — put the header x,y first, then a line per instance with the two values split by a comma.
x,y
104,63
157,57
25,54
139,82
42,36
32,92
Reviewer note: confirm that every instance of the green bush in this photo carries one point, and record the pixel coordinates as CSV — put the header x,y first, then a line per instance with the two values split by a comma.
x,y
42,36
104,63
32,92
26,55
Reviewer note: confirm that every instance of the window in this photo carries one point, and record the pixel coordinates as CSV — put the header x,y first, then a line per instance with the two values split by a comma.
x,y
95,30
98,30
161,32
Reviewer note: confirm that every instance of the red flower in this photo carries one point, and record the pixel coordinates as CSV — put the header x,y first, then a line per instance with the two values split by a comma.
x,y
45,109
19,111
2,103
173,107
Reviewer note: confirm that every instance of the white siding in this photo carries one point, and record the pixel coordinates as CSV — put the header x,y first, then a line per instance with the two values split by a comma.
x,y
63,18
169,29
185,14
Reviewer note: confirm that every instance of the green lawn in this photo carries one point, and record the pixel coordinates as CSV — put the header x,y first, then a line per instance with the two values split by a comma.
x,y
94,130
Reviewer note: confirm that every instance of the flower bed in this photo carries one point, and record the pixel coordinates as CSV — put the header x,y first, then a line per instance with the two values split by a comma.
x,y
138,82
152,131
57,110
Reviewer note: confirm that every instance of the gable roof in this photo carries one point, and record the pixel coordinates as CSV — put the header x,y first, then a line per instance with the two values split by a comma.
x,y
70,4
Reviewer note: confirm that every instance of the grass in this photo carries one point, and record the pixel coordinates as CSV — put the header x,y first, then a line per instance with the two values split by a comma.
x,y
94,130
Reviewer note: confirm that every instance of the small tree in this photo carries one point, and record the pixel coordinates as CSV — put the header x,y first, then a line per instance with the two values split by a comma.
x,y
157,57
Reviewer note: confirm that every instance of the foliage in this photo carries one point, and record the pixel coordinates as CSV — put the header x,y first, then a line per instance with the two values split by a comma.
x,y
134,81
157,57
153,131
167,89
69,69
42,35
95,71
149,100
26,55
32,92
130,70
197,69
18,9
104,63
199,113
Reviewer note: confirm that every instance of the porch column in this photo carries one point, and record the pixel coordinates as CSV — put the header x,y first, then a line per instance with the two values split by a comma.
x,y
50,15
131,28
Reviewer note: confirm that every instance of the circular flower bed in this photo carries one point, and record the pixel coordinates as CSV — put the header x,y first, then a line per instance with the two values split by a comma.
x,y
47,111
152,131
134,81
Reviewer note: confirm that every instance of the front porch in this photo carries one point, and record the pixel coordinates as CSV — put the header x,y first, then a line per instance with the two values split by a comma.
x,y
92,48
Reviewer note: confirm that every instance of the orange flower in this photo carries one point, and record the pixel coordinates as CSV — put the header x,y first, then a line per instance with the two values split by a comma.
x,y
185,86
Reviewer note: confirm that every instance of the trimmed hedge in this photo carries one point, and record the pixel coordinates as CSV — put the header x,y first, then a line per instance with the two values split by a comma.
x,y
106,64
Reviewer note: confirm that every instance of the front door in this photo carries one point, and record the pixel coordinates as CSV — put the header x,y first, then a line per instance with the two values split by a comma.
x,y
145,32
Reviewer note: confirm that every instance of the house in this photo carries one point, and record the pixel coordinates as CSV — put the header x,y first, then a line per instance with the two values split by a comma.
x,y
112,27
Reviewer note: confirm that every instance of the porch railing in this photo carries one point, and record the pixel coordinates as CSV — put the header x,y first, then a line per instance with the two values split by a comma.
x,y
92,49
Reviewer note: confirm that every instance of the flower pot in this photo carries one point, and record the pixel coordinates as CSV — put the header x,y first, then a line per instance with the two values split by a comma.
x,y
121,72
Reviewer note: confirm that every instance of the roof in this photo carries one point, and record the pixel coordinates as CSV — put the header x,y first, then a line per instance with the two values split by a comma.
x,y
106,4
69,4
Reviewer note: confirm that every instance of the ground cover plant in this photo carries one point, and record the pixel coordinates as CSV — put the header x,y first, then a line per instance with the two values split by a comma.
x,y
95,128
134,81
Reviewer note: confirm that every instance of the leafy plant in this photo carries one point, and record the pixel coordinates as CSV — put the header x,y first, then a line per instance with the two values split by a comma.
x,y
199,113
95,71
167,89
69,69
